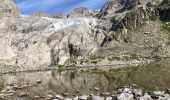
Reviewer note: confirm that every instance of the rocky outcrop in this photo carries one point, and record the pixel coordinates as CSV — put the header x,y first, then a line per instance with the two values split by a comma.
x,y
42,41
130,19
59,16
8,8
80,12
109,8
129,15
74,41
39,14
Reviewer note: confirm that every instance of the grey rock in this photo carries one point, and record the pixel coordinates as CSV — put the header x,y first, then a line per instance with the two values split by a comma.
x,y
96,89
97,98
164,10
23,94
80,12
109,8
83,97
8,9
125,96
59,16
153,95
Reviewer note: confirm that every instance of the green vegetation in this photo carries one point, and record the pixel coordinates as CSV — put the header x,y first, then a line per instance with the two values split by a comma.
x,y
153,17
113,58
166,26
96,57
2,85
84,61
125,57
61,66
70,66
0,5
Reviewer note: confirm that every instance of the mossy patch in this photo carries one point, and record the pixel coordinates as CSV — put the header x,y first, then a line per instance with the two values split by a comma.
x,y
61,66
166,26
96,57
153,16
2,84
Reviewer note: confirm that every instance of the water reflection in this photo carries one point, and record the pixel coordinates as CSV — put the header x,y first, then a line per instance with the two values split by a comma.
x,y
149,77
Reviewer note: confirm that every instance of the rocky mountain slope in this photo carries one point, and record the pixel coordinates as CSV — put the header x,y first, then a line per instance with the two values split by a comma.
x,y
121,30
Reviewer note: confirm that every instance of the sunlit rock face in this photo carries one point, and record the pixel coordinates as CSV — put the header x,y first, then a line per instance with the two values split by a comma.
x,y
80,12
39,41
8,8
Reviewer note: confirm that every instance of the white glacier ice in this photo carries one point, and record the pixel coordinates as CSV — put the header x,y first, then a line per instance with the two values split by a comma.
x,y
64,23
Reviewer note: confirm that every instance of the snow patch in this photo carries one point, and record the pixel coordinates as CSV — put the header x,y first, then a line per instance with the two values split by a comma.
x,y
64,23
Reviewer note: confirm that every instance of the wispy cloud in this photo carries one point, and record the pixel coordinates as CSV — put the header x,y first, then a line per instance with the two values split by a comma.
x,y
56,6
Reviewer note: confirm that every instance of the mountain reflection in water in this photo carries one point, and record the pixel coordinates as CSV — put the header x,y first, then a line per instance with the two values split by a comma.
x,y
148,77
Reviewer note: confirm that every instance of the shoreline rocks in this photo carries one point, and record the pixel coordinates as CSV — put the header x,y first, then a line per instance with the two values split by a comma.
x,y
124,93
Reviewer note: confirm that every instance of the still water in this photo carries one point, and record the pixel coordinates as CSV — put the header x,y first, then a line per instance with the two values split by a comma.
x,y
154,76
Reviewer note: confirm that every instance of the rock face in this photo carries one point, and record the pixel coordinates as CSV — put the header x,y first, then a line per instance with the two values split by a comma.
x,y
80,12
43,41
164,10
40,41
59,16
39,14
109,8
8,8
129,15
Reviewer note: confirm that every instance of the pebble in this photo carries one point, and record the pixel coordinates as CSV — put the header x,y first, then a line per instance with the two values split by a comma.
x,y
67,99
49,97
114,97
38,81
105,94
153,95
23,94
65,94
109,98
97,98
15,87
76,98
83,97
59,97
96,89
36,97
125,96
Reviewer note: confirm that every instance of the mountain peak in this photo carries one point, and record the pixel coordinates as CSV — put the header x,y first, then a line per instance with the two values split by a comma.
x,y
8,8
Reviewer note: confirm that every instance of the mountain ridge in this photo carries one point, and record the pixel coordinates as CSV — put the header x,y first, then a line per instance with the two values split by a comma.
x,y
122,30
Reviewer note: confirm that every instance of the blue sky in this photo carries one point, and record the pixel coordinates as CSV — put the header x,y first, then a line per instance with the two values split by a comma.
x,y
56,6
